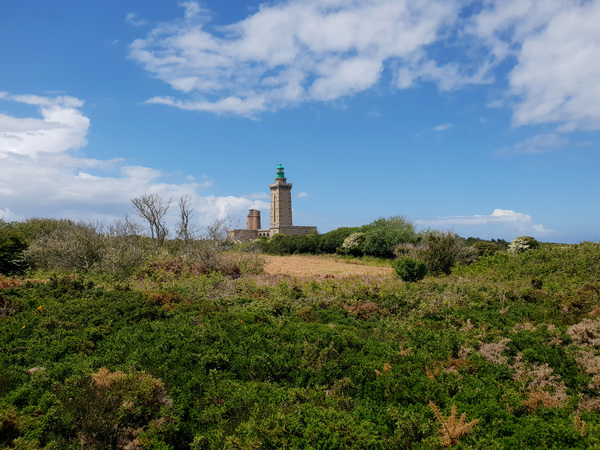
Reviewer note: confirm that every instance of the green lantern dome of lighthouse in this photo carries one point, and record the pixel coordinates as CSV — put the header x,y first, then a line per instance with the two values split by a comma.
x,y
280,173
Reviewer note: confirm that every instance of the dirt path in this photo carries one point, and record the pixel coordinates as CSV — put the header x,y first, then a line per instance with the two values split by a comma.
x,y
308,266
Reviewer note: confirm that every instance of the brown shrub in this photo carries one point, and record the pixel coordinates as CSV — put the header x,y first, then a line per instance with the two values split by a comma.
x,y
589,404
538,399
362,310
540,381
526,326
6,283
493,351
112,409
585,333
591,364
7,307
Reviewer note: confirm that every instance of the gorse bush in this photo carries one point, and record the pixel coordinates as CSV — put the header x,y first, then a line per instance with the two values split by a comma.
x,y
119,250
484,248
114,409
410,270
36,227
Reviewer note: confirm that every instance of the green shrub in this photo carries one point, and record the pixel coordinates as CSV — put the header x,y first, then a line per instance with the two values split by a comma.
x,y
329,242
410,270
72,247
279,245
111,409
442,250
383,235
485,248
12,245
36,227
10,425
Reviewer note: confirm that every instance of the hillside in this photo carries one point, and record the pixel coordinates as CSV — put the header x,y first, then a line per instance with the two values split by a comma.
x,y
169,358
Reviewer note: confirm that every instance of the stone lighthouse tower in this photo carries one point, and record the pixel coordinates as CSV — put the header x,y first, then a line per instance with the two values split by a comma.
x,y
281,215
281,201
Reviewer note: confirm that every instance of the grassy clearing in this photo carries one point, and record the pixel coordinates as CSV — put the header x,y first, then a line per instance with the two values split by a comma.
x,y
173,359
314,266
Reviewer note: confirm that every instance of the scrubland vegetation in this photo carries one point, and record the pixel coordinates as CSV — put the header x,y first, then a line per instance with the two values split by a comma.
x,y
110,339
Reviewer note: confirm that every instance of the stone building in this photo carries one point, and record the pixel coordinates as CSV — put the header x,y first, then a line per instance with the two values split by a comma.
x,y
281,215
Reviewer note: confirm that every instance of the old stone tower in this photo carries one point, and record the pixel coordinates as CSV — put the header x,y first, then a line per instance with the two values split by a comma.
x,y
281,201
281,215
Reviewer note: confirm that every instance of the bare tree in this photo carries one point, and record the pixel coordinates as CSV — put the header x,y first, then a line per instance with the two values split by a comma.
x,y
217,231
152,208
186,230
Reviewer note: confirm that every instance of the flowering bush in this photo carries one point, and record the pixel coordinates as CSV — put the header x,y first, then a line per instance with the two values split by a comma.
x,y
352,245
521,244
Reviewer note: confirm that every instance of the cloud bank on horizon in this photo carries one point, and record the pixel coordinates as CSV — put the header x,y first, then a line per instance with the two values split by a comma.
x,y
495,224
39,161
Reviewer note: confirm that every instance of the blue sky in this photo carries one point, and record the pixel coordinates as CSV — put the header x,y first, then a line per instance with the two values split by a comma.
x,y
481,117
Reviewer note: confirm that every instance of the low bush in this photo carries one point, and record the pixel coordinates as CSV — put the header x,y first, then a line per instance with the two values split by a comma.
x,y
485,248
75,246
12,246
272,362
410,270
114,409
442,250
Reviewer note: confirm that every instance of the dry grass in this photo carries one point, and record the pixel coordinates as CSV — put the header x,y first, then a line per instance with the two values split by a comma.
x,y
310,266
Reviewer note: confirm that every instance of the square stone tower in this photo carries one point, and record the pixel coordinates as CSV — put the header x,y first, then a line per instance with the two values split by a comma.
x,y
281,201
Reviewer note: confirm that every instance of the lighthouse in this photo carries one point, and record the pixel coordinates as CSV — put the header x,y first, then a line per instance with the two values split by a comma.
x,y
281,215
281,201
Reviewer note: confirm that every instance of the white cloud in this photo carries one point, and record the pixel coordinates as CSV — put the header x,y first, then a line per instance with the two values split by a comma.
x,y
258,195
42,176
442,127
61,127
540,143
555,43
302,194
502,223
8,216
132,19
297,51
292,52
